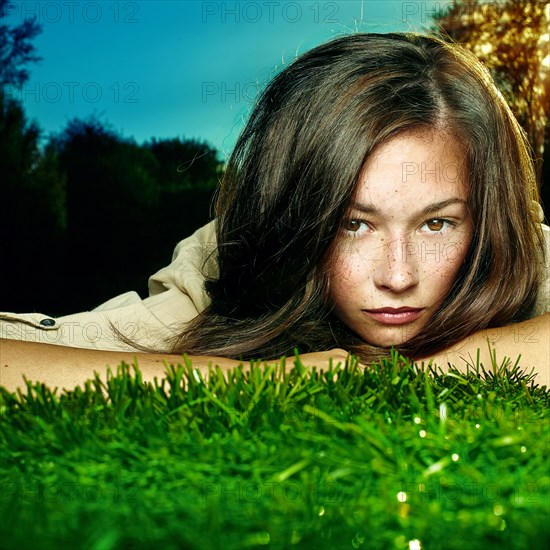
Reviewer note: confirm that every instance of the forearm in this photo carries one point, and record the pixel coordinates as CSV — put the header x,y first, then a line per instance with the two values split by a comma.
x,y
66,367
530,339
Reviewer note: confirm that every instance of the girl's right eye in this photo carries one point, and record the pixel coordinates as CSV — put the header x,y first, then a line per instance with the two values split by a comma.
x,y
355,226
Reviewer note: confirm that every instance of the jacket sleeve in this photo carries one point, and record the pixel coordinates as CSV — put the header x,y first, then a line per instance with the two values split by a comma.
x,y
194,260
176,296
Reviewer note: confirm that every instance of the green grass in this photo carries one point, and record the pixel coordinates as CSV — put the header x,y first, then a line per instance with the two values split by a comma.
x,y
392,457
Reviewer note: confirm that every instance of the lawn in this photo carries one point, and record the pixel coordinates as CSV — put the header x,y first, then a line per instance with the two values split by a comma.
x,y
390,457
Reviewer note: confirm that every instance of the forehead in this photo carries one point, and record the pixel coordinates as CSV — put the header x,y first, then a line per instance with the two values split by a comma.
x,y
415,167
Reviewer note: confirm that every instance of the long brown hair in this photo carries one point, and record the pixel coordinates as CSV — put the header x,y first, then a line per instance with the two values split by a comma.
x,y
293,172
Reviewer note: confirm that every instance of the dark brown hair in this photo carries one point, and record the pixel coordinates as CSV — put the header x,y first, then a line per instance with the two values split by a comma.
x,y
293,172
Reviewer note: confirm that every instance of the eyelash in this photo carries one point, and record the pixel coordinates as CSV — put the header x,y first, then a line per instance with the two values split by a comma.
x,y
354,220
447,224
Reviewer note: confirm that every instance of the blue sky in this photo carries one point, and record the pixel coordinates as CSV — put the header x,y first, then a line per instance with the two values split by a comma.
x,y
180,68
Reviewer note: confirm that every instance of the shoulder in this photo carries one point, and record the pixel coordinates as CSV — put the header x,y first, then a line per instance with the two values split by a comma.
x,y
194,261
546,233
543,301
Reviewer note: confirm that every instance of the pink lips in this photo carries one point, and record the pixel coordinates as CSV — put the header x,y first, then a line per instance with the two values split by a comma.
x,y
394,315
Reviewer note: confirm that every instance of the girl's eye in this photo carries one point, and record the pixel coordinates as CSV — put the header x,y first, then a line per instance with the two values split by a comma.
x,y
437,224
355,226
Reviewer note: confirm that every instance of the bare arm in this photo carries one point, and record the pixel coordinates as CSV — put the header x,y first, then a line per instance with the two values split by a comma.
x,y
530,339
66,367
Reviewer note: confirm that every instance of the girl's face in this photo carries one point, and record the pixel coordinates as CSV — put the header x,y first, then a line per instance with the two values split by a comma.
x,y
405,237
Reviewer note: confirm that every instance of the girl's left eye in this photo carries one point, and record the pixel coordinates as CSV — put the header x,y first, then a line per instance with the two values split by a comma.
x,y
436,225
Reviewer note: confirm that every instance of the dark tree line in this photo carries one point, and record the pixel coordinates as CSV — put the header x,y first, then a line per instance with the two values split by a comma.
x,y
89,214
92,214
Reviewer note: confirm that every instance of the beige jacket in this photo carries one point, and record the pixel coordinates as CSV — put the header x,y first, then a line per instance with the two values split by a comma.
x,y
176,295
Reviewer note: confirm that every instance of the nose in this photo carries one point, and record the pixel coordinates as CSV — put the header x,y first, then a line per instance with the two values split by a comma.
x,y
396,268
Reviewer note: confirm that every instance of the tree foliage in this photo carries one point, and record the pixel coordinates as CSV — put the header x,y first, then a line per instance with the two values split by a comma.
x,y
185,164
92,214
16,48
512,39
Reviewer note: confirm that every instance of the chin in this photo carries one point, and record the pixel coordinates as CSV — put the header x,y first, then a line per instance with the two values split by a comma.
x,y
392,338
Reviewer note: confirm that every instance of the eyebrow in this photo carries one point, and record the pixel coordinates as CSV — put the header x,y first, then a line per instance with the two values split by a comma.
x,y
371,209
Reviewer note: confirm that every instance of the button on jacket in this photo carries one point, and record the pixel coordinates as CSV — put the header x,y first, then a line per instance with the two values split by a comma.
x,y
176,295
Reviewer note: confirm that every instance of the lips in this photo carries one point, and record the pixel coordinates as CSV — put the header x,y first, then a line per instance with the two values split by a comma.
x,y
395,315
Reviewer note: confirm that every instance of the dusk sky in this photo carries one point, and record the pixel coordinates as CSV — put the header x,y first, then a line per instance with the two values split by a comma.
x,y
180,68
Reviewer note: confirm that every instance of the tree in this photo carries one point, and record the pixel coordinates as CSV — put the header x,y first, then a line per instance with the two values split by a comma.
x,y
18,138
32,189
185,164
16,49
112,199
512,39
128,205
32,214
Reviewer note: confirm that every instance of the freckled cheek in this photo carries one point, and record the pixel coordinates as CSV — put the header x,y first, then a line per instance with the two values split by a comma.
x,y
441,270
347,278
454,258
349,269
